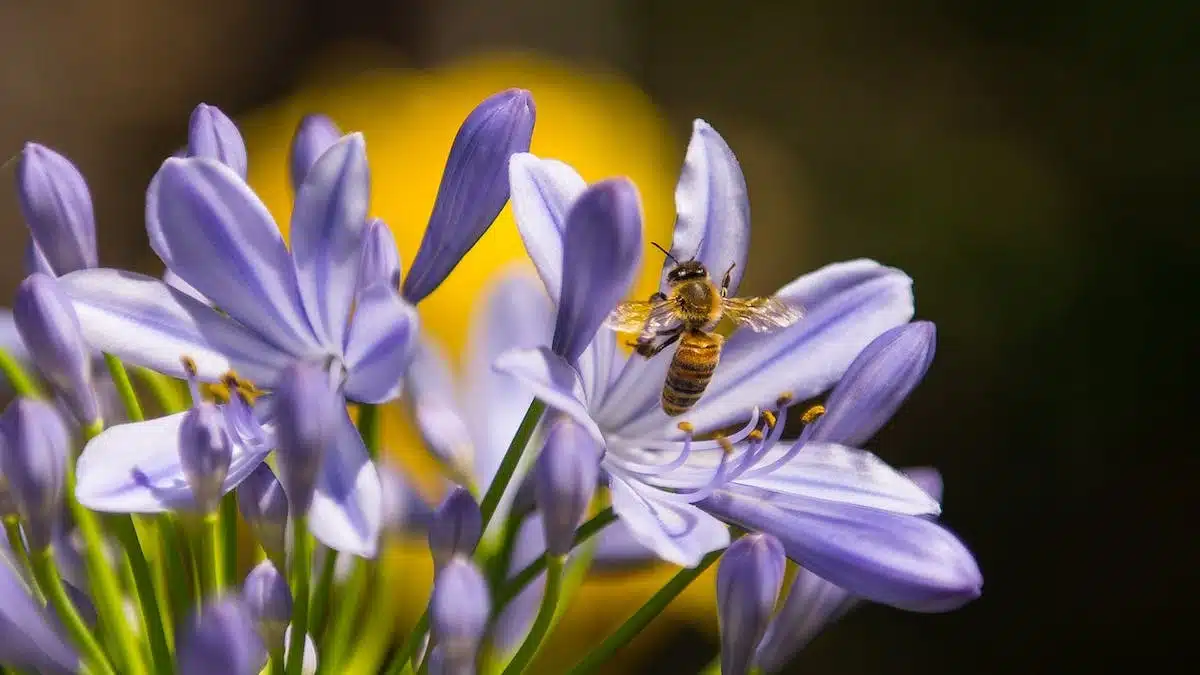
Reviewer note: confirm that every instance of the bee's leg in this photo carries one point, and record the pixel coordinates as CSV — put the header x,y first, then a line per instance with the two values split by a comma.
x,y
650,349
658,296
727,280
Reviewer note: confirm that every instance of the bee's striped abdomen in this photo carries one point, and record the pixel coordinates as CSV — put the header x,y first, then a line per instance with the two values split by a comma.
x,y
690,371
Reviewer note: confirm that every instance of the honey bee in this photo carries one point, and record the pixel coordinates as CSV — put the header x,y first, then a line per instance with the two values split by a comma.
x,y
688,313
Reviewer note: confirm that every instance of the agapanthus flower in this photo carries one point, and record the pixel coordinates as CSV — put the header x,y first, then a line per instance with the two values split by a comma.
x,y
673,490
57,207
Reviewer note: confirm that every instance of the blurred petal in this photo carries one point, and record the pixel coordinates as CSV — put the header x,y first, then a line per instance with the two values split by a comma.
x,y
329,220
679,533
848,305
618,547
564,480
514,622
27,638
213,135
748,581
220,638
843,475
36,261
811,605
904,561
474,186
928,479
429,388
379,344
10,338
212,230
380,258
135,468
602,250
552,380
876,384
314,135
542,193
144,321
57,207
712,222
345,513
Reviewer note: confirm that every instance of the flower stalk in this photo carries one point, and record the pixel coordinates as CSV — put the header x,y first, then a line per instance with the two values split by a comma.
x,y
545,617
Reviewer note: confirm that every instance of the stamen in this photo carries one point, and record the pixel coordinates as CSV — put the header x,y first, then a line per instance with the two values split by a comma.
x,y
784,399
769,417
755,435
686,427
193,378
812,414
726,446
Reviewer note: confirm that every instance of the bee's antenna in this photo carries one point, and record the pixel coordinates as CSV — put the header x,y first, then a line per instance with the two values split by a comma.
x,y
665,252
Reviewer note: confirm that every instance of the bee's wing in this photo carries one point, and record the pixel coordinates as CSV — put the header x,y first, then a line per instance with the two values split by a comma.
x,y
761,314
641,316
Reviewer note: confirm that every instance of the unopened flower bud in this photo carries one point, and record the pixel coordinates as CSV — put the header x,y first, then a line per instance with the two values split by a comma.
x,y
50,330
748,583
458,613
220,638
33,459
212,134
564,482
205,452
456,527
269,601
314,135
307,414
264,507
57,207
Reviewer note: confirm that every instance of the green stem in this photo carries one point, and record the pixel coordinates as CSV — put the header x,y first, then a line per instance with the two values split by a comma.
x,y
22,383
48,578
643,616
401,657
508,465
371,643
210,562
177,560
229,536
12,527
164,390
319,602
106,593
369,427
545,616
338,637
120,378
143,581
277,657
589,529
301,573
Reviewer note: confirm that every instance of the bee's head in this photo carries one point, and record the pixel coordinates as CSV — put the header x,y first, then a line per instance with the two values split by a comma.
x,y
687,271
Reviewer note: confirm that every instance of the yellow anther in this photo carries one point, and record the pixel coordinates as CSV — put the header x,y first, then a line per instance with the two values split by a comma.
x,y
726,446
784,399
217,393
769,417
686,427
812,414
755,435
189,366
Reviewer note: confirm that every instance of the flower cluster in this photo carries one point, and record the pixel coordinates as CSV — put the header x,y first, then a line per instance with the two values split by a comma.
x,y
265,365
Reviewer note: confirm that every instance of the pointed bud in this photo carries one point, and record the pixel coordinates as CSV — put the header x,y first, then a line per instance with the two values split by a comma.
x,y
50,329
456,527
474,186
395,497
314,135
57,208
748,582
306,419
264,507
220,638
34,462
269,601
205,452
458,612
380,258
564,481
213,135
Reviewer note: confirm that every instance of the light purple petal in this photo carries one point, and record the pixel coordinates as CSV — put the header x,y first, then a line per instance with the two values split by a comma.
x,y
848,305
811,605
543,191
602,250
212,230
379,344
380,258
329,220
907,562
636,392
712,221
429,387
212,134
144,321
36,261
174,281
57,207
844,475
27,638
314,135
552,380
600,365
618,547
135,468
10,339
474,187
346,512
876,384
514,622
679,533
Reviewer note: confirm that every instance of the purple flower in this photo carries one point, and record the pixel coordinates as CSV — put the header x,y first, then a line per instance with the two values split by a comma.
x,y
748,582
455,527
314,135
34,448
220,638
57,208
564,481
277,307
307,414
28,639
264,506
268,599
204,453
830,505
213,135
458,612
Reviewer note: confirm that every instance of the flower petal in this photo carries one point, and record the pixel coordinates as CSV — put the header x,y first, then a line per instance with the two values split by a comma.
x,y
174,281
843,475
314,135
429,389
380,258
876,384
602,250
379,343
907,562
542,193
27,638
329,220
346,512
36,261
144,321
928,479
848,306
57,207
212,230
212,134
679,533
474,187
811,605
712,222
135,468
10,339
552,380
